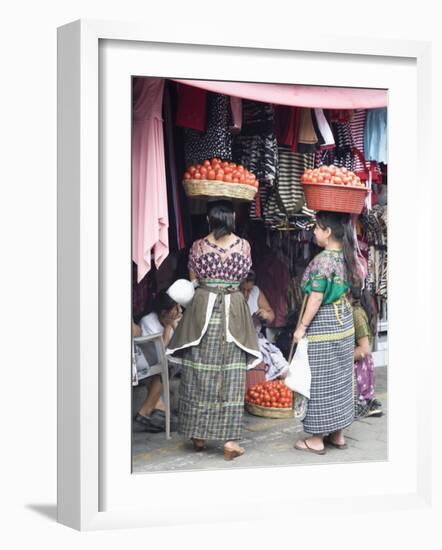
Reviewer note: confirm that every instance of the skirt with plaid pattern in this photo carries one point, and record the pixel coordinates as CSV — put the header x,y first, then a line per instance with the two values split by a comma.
x,y
212,385
330,353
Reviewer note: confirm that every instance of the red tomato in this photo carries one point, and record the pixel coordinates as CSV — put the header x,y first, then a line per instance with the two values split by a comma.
x,y
228,178
211,174
219,175
192,170
206,163
225,164
187,176
203,172
337,180
197,176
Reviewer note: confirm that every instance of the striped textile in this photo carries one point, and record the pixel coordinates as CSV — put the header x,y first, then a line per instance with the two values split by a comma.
x,y
344,144
357,124
288,197
212,386
256,148
330,352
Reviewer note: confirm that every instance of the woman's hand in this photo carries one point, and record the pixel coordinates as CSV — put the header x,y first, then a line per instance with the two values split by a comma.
x,y
263,314
298,334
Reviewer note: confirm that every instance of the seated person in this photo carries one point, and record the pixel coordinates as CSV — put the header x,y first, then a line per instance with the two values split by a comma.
x,y
259,306
166,315
263,314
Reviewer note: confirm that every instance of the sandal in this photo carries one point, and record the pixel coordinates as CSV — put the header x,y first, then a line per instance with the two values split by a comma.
x,y
309,449
144,424
340,446
231,453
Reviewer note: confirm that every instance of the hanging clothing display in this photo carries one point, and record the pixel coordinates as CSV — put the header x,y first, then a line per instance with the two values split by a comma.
x,y
307,138
288,196
236,107
191,107
256,149
287,125
150,221
216,141
375,135
172,178
374,224
343,153
323,128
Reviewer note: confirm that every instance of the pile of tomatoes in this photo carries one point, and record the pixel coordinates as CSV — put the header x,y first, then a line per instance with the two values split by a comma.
x,y
273,393
217,169
332,174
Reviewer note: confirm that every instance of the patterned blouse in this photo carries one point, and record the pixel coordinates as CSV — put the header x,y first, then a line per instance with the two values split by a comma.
x,y
326,273
209,261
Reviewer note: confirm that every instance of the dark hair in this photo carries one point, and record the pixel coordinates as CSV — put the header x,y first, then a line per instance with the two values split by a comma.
x,y
366,301
163,302
251,277
342,231
221,218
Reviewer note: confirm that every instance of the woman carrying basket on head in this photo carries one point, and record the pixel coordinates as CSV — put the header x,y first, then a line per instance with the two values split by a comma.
x,y
216,337
327,322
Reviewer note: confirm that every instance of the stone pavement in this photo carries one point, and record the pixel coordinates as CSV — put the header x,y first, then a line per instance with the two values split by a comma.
x,y
268,442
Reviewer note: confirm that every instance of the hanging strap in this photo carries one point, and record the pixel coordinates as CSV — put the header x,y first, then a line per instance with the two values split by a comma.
x,y
304,305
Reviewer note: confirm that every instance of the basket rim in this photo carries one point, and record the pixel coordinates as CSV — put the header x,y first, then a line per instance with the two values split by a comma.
x,y
337,186
240,185
269,408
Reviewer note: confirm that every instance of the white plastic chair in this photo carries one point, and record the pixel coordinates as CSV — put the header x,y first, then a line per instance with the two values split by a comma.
x,y
153,350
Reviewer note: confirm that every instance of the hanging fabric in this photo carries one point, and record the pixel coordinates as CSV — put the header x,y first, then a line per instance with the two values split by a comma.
x,y
150,219
256,149
216,141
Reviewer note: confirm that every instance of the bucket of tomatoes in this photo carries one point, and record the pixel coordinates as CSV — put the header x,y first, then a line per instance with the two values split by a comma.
x,y
220,178
334,188
272,399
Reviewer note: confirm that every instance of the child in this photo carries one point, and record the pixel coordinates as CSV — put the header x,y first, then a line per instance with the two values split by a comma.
x,y
365,323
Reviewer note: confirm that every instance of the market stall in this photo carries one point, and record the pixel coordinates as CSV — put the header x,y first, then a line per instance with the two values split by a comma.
x,y
273,149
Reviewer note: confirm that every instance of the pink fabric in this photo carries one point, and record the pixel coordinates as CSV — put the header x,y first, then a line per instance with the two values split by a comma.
x,y
297,95
150,219
236,107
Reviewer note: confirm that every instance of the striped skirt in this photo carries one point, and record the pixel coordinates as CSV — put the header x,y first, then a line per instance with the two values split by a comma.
x,y
330,352
212,385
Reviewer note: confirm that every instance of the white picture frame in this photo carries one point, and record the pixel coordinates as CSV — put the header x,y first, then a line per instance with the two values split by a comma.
x,y
95,487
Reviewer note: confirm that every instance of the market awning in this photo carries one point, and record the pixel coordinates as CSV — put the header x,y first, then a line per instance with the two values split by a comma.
x,y
325,97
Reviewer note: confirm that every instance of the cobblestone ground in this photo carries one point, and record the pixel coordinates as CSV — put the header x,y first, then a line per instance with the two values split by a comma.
x,y
268,442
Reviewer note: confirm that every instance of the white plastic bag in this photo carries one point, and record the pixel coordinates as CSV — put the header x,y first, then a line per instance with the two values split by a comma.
x,y
299,376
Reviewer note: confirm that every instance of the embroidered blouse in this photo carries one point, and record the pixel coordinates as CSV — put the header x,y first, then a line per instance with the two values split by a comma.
x,y
326,273
209,261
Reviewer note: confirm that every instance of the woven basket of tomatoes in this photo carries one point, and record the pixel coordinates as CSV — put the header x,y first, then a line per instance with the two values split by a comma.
x,y
334,188
271,399
217,178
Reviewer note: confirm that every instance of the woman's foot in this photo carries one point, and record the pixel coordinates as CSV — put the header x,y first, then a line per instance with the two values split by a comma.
x,y
336,439
198,444
232,450
312,444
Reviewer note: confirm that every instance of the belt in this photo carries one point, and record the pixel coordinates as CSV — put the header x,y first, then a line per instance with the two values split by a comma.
x,y
344,303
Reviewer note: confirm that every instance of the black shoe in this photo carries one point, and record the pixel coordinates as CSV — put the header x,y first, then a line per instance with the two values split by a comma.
x,y
374,408
144,424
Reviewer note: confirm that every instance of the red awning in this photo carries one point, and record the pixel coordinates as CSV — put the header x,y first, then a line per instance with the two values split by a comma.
x,y
325,97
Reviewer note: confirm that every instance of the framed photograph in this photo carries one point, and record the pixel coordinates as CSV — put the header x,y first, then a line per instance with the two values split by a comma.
x,y
115,448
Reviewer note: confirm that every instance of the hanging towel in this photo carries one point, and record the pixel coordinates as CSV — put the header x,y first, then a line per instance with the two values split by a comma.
x,y
150,220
